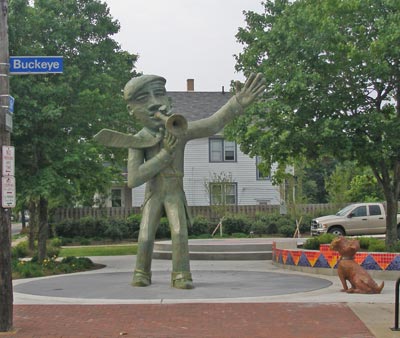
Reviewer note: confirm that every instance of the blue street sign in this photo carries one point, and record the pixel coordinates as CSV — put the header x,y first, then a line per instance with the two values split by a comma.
x,y
36,64
11,104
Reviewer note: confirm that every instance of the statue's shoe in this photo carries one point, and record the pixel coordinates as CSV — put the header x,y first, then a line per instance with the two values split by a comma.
x,y
141,278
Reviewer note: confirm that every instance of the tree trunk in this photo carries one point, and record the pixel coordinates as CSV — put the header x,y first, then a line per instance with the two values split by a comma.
x,y
43,229
23,219
391,222
32,225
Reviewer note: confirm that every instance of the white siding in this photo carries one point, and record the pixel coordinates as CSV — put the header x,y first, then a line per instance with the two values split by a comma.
x,y
198,170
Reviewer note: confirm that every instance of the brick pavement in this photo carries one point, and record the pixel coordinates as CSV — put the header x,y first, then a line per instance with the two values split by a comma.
x,y
233,320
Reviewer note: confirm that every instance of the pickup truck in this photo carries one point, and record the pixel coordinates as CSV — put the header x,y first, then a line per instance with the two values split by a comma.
x,y
355,219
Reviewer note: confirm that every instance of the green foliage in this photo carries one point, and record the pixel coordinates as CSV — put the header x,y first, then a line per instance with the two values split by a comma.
x,y
235,224
87,227
287,230
21,250
376,245
57,115
56,242
29,269
332,75
200,226
80,263
313,243
116,229
364,242
240,235
163,230
133,222
365,188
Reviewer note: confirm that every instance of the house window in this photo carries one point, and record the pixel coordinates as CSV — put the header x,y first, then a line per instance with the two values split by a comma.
x,y
259,173
222,150
223,193
116,198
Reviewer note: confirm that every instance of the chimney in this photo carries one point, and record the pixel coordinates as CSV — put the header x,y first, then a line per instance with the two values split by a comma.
x,y
190,85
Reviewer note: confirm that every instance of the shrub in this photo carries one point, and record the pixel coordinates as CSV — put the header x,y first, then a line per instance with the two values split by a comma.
x,y
270,222
240,235
200,226
133,223
376,245
287,230
364,242
84,241
90,226
313,243
56,242
78,263
27,270
116,229
53,251
259,228
21,250
233,224
163,230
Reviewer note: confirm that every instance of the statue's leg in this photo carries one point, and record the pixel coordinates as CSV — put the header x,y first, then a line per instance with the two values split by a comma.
x,y
181,277
150,219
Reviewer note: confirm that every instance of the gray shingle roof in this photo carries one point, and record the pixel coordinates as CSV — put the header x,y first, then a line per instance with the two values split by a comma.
x,y
197,105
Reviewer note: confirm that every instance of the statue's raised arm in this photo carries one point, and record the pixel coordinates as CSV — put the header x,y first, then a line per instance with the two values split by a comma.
x,y
249,93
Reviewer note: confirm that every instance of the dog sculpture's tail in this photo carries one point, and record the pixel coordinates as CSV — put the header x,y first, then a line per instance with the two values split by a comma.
x,y
379,289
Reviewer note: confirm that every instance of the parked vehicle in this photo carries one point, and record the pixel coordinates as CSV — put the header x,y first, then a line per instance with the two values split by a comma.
x,y
355,219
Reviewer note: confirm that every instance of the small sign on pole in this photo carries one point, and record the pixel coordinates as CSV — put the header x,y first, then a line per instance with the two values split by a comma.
x,y
8,161
8,192
11,105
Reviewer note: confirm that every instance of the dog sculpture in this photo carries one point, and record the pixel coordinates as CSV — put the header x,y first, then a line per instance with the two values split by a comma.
x,y
349,270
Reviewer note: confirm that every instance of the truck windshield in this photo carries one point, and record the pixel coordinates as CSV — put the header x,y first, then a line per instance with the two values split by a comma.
x,y
344,211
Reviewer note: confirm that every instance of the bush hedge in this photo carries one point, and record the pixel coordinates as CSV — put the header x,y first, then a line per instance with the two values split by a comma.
x,y
117,229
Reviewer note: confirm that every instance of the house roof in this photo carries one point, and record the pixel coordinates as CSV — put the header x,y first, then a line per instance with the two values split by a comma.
x,y
197,105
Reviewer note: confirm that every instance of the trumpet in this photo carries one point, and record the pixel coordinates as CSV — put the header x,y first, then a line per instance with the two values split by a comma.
x,y
176,124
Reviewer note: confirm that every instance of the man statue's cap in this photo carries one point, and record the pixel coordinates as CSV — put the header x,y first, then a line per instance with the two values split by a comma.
x,y
137,83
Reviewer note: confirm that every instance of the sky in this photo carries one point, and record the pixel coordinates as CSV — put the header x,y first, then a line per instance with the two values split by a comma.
x,y
184,39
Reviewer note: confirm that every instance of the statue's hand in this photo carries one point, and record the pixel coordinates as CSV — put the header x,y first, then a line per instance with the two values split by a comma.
x,y
253,87
169,142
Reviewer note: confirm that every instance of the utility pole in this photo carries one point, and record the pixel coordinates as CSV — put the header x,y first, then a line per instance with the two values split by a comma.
x,y
6,291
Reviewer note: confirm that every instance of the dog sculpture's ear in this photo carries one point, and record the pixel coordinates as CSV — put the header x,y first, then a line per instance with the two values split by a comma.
x,y
333,243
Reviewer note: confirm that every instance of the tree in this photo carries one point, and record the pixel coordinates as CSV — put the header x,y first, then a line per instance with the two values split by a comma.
x,y
351,183
219,187
57,115
333,73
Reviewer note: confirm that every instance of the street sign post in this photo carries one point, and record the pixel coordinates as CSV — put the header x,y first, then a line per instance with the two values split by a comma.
x,y
36,64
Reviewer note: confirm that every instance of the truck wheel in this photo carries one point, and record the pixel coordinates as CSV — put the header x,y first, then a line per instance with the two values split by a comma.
x,y
336,231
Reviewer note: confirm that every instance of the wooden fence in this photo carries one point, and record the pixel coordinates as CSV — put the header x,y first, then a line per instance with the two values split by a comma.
x,y
205,211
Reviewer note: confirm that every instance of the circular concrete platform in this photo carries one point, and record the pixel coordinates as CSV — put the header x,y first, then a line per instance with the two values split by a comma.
x,y
209,284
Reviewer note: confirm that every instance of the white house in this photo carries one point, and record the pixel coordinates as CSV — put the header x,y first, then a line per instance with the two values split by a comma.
x,y
209,157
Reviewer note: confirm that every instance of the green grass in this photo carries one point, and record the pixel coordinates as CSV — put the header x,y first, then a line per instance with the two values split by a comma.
x,y
101,250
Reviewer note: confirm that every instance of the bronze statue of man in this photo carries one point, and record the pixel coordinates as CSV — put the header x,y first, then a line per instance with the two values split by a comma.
x,y
156,158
